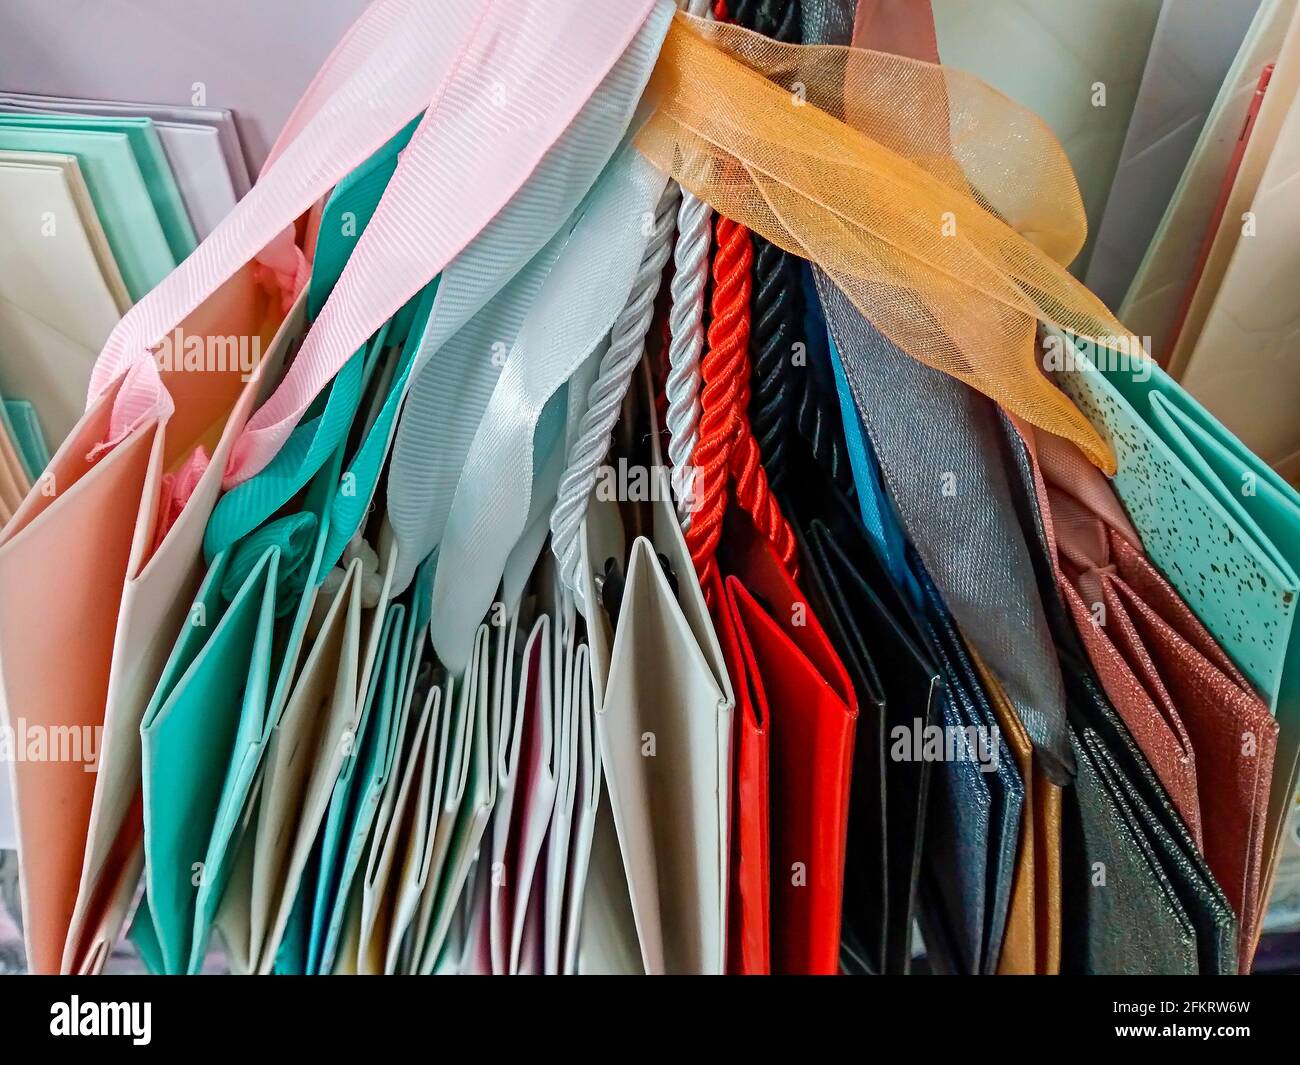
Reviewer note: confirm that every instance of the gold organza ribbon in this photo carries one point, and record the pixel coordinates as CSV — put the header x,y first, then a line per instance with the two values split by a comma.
x,y
946,212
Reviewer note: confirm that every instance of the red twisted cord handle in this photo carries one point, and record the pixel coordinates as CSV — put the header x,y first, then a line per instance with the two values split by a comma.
x,y
726,445
753,492
722,370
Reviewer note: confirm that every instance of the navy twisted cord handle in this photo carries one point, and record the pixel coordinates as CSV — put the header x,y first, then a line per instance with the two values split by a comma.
x,y
777,295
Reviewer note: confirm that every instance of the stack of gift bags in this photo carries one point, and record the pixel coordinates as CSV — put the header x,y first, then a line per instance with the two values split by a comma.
x,y
99,201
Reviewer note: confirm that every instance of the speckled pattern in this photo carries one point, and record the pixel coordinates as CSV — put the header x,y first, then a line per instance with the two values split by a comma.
x,y
1209,555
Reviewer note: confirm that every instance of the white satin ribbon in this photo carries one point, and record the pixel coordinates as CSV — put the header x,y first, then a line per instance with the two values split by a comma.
x,y
454,375
578,302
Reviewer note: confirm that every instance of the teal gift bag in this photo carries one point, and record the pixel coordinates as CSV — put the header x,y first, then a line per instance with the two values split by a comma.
x,y
235,672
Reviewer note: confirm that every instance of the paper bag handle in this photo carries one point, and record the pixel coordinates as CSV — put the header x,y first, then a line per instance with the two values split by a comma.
x,y
412,45
518,84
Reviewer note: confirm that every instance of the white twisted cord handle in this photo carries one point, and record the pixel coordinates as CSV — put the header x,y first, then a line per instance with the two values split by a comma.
x,y
686,332
686,343
605,397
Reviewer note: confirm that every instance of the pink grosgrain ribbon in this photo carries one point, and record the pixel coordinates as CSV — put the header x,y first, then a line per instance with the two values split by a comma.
x,y
519,83
367,107
281,264
498,81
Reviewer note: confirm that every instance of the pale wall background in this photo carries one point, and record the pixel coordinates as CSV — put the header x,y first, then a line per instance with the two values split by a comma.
x,y
254,56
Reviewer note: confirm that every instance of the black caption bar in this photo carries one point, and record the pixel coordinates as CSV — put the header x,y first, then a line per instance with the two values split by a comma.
x,y
375,1018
